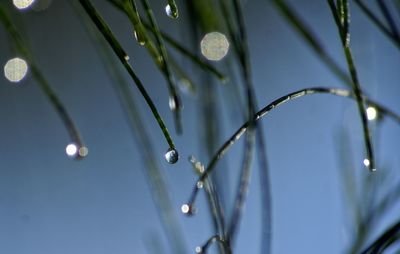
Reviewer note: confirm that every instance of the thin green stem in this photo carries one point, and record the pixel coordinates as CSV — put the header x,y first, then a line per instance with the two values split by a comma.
x,y
263,112
345,36
23,49
123,57
158,186
165,66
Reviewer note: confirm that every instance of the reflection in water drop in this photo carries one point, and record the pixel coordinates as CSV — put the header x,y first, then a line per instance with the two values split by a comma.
x,y
15,69
371,113
171,156
23,4
172,11
214,46
71,150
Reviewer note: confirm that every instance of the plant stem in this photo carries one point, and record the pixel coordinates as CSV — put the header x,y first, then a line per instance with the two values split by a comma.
x,y
122,56
263,112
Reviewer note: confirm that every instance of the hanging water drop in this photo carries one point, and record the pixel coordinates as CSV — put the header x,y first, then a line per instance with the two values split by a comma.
x,y
172,10
140,35
171,156
199,250
200,184
372,113
188,209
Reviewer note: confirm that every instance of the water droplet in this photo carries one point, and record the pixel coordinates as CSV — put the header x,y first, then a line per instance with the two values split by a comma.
x,y
372,113
214,46
126,57
140,36
187,209
199,250
23,4
366,162
171,156
172,11
200,184
172,104
71,150
83,151
15,69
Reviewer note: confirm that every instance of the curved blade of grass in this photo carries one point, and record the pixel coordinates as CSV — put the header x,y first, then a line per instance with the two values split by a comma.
x,y
152,171
22,48
345,38
263,112
166,68
122,56
395,39
391,235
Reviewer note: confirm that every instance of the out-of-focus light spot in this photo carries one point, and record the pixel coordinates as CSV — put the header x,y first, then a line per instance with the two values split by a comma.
x,y
366,162
23,4
15,69
41,5
71,150
371,113
214,46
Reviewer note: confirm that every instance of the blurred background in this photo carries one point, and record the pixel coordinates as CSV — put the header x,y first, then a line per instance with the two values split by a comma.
x,y
103,203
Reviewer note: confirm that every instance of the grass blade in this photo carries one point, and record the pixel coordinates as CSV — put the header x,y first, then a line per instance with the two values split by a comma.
x,y
345,38
22,48
262,113
123,57
152,171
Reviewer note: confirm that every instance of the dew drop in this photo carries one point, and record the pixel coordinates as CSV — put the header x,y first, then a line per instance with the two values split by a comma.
x,y
172,11
126,57
74,151
199,250
366,162
372,113
71,150
139,36
200,184
188,210
83,151
172,103
171,156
